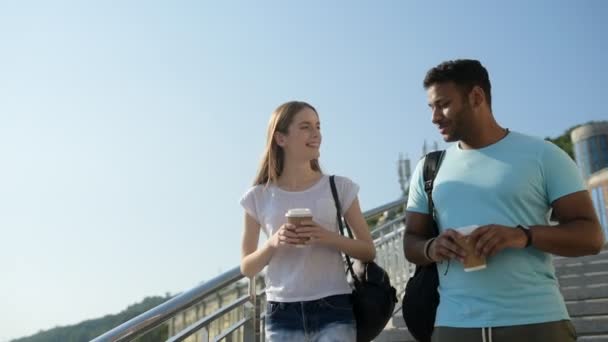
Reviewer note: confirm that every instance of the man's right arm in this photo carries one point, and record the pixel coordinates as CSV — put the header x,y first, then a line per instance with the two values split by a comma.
x,y
421,248
419,230
417,234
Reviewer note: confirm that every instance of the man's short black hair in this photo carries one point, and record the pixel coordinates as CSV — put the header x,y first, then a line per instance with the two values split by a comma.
x,y
466,73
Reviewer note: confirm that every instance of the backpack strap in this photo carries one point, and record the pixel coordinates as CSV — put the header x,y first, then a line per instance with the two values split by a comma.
x,y
342,225
432,162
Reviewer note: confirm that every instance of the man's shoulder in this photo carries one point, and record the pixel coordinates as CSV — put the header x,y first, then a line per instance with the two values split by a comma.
x,y
521,146
527,139
537,145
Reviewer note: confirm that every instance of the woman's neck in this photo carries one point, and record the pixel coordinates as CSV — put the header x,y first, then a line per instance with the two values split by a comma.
x,y
298,177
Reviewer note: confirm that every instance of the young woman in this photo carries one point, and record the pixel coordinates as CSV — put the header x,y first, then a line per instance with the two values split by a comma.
x,y
307,292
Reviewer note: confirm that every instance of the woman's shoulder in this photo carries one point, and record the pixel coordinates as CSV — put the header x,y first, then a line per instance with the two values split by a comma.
x,y
344,181
256,190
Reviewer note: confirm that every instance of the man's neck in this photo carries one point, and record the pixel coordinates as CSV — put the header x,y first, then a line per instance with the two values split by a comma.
x,y
483,136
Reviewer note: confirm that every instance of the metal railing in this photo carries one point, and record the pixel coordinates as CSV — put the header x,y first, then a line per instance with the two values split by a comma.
x,y
248,323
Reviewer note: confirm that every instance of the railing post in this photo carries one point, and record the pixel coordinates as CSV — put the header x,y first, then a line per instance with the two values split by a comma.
x,y
257,312
203,335
251,330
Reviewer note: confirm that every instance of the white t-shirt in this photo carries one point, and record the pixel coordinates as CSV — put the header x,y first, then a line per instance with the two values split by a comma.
x,y
308,273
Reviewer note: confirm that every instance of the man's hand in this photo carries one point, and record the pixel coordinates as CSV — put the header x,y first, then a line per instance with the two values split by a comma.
x,y
444,247
493,238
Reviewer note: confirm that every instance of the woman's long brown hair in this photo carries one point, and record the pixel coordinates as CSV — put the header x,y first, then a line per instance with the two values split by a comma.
x,y
273,159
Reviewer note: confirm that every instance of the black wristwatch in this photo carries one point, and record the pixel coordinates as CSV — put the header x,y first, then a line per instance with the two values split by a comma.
x,y
528,233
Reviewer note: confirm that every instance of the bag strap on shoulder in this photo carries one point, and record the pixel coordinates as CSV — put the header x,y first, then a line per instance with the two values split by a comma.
x,y
341,225
432,162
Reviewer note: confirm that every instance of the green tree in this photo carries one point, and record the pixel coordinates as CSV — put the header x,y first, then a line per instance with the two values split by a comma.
x,y
565,143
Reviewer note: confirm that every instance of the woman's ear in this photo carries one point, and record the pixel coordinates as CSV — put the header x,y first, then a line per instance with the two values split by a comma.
x,y
280,138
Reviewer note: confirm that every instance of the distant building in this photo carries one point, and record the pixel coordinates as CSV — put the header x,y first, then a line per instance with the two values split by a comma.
x,y
598,186
591,152
591,147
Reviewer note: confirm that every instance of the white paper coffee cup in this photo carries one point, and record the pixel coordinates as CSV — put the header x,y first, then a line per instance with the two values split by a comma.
x,y
472,261
296,217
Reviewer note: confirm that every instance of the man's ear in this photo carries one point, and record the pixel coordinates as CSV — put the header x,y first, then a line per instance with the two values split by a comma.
x,y
477,97
280,138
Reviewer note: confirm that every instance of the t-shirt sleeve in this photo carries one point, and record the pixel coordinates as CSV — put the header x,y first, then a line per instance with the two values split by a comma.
x,y
562,176
347,190
417,200
248,201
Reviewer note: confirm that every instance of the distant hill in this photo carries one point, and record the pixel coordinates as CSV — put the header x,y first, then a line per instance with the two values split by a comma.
x,y
87,330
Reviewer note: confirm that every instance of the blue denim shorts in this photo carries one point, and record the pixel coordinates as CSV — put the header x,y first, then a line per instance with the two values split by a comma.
x,y
329,319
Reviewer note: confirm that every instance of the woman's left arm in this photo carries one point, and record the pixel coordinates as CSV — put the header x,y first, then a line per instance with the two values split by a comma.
x,y
361,247
364,248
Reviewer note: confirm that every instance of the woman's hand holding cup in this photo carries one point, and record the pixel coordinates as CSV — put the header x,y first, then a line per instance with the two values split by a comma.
x,y
296,218
313,233
285,235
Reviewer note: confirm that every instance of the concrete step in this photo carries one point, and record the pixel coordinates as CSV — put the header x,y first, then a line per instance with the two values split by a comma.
x,y
588,317
584,285
590,330
559,261
588,307
575,279
582,268
596,338
575,262
397,321
395,335
591,326
593,291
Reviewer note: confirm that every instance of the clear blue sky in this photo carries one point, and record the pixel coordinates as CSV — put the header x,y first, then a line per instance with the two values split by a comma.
x,y
130,129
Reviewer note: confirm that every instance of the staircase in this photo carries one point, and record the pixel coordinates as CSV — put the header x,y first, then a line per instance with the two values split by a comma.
x,y
583,281
584,285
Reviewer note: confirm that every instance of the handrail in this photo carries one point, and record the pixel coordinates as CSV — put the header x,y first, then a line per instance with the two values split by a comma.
x,y
379,210
231,329
205,320
386,225
158,315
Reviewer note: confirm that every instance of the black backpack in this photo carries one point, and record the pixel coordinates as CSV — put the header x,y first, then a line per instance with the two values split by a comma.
x,y
420,301
373,295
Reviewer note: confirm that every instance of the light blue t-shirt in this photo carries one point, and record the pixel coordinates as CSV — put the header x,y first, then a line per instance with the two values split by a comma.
x,y
511,182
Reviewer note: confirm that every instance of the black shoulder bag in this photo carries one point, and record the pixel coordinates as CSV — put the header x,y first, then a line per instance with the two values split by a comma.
x,y
420,301
373,296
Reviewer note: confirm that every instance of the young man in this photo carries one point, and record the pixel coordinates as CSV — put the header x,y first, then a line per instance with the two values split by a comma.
x,y
507,183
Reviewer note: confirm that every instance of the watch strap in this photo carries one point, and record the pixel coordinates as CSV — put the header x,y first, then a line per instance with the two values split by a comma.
x,y
526,231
